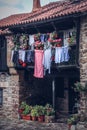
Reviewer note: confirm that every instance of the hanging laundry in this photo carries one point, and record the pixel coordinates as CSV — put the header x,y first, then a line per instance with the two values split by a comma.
x,y
22,55
46,37
38,69
31,41
12,53
47,60
47,45
29,56
52,54
66,42
66,37
66,53
58,54
62,55
15,58
42,38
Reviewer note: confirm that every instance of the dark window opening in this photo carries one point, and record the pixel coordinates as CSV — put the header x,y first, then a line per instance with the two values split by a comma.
x,y
2,42
3,59
59,84
1,97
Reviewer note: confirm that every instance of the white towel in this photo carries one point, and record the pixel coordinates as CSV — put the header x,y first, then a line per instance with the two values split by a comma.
x,y
22,55
47,59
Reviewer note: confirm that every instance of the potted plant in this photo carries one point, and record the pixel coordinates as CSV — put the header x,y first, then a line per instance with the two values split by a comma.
x,y
34,113
49,113
82,90
72,120
22,107
26,113
41,113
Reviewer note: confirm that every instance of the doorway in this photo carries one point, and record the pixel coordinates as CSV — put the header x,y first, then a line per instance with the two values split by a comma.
x,y
59,93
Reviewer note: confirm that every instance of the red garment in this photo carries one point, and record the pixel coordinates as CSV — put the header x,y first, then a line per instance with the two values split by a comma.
x,y
38,69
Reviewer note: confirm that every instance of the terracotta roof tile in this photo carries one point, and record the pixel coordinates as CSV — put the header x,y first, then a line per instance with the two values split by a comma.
x,y
50,11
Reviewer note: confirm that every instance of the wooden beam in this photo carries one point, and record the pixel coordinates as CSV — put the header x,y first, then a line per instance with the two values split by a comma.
x,y
77,40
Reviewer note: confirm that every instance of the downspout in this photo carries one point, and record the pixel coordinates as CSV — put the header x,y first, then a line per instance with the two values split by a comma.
x,y
53,93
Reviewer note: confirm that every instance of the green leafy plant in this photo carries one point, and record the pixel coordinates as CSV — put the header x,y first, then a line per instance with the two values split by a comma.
x,y
22,105
41,110
80,88
27,110
73,119
49,111
34,111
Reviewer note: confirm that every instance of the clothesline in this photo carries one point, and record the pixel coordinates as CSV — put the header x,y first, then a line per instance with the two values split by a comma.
x,y
41,58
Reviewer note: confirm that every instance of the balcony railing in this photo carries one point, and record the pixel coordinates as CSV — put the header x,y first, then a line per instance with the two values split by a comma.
x,y
72,58
70,63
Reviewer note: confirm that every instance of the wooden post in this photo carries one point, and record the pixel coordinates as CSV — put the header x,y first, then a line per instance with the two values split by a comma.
x,y
77,40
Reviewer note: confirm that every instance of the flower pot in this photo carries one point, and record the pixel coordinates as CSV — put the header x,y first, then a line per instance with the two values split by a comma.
x,y
20,62
69,126
24,64
58,45
21,110
41,118
41,48
49,119
34,118
26,117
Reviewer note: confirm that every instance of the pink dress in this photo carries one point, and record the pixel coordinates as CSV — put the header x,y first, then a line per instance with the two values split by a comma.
x,y
38,69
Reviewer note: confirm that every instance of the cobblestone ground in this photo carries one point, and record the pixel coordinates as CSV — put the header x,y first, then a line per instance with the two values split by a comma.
x,y
6,124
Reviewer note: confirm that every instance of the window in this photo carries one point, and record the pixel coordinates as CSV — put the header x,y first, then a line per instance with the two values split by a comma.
x,y
1,96
3,60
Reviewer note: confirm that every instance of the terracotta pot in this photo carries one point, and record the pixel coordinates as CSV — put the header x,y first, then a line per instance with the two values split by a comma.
x,y
69,126
36,48
20,62
26,117
41,48
41,118
34,118
58,45
49,119
24,64
21,110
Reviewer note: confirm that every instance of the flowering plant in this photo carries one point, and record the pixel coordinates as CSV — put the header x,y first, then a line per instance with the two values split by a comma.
x,y
54,40
24,46
39,45
49,111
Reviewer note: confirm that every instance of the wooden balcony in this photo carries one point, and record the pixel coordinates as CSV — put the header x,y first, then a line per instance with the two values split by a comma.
x,y
69,64
72,59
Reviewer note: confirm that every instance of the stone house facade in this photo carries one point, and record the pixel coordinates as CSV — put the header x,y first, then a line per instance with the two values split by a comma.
x,y
18,84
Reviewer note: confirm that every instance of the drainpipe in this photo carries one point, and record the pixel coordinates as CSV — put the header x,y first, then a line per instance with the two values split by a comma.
x,y
53,93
